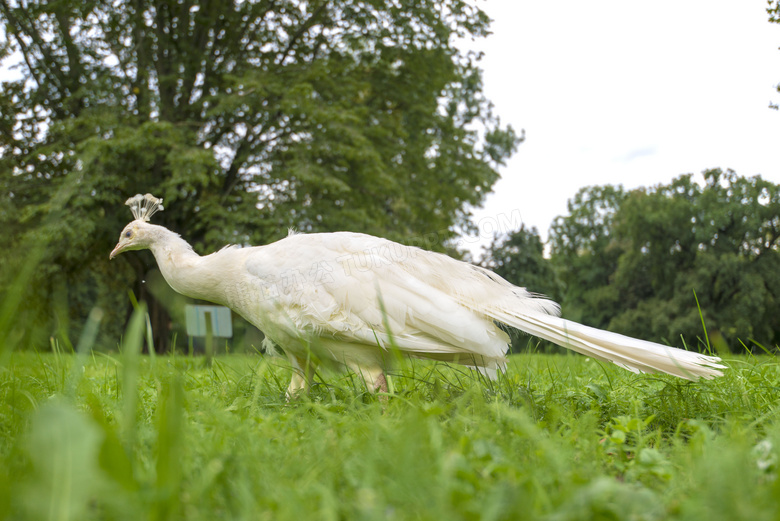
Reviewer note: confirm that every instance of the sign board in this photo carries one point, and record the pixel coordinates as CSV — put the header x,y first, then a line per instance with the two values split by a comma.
x,y
221,322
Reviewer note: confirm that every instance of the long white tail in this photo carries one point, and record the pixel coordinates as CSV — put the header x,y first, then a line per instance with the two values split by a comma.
x,y
629,353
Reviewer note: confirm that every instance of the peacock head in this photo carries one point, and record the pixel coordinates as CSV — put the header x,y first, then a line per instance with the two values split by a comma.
x,y
137,235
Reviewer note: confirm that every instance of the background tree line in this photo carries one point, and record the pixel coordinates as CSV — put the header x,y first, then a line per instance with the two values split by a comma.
x,y
637,262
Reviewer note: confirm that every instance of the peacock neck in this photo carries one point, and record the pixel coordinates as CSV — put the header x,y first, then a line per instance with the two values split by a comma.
x,y
182,268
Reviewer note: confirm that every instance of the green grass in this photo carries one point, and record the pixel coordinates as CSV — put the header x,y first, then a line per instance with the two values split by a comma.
x,y
557,437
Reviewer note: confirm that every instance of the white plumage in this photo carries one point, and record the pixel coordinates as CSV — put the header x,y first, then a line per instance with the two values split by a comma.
x,y
351,299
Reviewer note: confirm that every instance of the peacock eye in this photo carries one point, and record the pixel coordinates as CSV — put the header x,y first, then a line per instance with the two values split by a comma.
x,y
128,233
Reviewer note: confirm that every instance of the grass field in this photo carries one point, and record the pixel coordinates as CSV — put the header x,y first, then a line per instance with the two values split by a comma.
x,y
131,437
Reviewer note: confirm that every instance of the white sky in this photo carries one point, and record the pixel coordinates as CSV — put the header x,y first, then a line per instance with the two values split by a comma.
x,y
627,92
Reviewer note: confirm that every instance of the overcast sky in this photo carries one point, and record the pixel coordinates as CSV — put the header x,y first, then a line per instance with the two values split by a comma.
x,y
627,92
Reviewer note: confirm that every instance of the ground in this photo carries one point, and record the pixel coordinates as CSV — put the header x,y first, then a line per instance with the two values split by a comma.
x,y
557,437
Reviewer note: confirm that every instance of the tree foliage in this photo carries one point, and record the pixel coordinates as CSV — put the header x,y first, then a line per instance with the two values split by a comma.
x,y
583,253
632,263
247,117
519,258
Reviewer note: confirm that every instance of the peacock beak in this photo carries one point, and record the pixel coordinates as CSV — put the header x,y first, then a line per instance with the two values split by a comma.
x,y
116,251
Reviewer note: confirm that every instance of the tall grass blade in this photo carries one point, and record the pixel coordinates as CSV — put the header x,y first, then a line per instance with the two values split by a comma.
x,y
33,253
85,344
150,339
131,355
170,421
13,298
703,325
63,447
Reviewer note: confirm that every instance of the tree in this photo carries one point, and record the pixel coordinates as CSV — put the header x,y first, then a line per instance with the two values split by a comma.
x,y
246,117
719,240
633,262
519,258
584,253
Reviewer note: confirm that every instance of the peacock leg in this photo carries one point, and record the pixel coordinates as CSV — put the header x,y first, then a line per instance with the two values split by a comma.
x,y
302,375
373,376
380,383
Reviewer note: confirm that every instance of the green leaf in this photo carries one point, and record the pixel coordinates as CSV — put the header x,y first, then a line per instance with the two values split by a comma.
x,y
63,445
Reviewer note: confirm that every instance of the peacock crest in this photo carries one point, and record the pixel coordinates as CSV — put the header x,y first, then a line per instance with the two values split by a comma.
x,y
144,206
